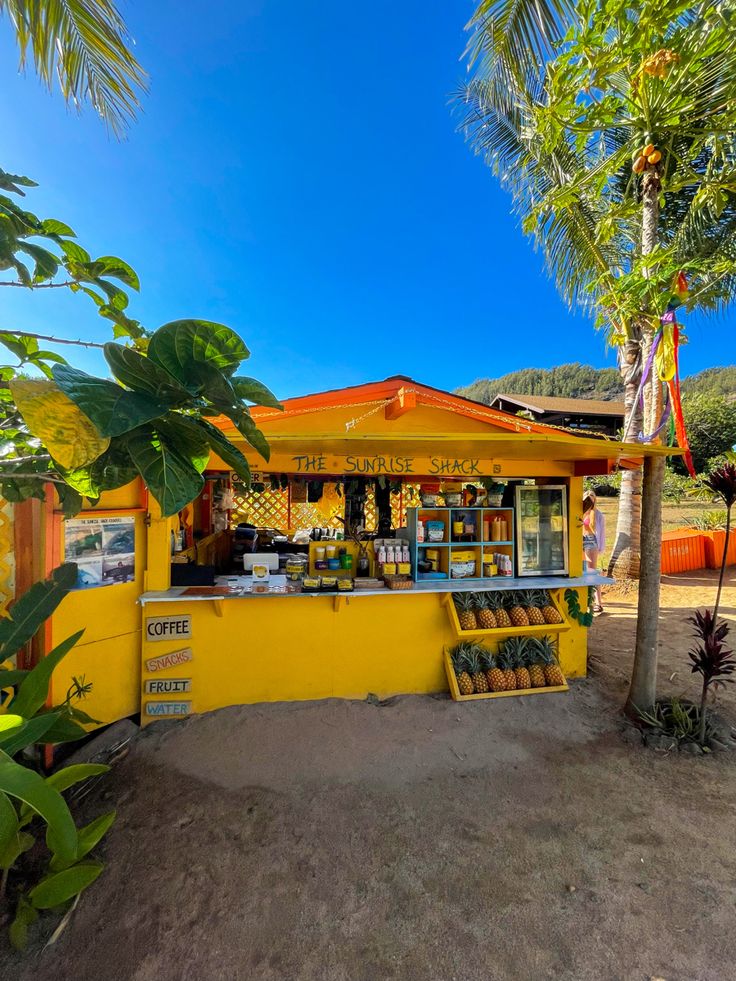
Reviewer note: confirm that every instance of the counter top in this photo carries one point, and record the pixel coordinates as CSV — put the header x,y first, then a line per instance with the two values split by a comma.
x,y
178,593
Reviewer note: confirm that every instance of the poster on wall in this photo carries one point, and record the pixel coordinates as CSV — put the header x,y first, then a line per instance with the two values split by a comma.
x,y
103,549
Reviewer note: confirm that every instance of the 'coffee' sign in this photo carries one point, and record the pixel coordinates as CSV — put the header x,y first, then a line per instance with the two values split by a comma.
x,y
169,628
168,708
170,660
168,686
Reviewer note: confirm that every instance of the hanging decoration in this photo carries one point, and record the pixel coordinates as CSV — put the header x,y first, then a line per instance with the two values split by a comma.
x,y
663,363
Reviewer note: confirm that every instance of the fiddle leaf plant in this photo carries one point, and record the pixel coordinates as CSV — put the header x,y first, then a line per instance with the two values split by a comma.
x,y
87,434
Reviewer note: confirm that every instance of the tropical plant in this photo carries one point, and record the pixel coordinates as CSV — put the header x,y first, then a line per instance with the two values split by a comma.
x,y
86,434
84,44
710,658
32,806
562,128
711,428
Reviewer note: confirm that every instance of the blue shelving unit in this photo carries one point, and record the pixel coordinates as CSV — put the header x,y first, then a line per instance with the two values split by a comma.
x,y
479,545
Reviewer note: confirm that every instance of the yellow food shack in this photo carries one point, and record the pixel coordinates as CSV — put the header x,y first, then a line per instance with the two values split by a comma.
x,y
392,522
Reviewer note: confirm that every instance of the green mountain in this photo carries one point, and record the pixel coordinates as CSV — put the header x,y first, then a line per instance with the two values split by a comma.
x,y
567,381
580,381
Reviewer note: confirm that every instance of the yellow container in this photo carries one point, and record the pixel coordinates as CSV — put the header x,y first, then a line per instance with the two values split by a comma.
x,y
463,556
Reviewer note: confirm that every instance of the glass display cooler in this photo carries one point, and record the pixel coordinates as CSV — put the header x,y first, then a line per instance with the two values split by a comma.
x,y
541,530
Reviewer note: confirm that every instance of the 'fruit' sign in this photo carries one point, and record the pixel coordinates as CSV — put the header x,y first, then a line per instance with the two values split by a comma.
x,y
168,686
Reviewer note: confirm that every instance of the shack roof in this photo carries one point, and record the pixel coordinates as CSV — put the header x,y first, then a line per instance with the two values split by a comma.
x,y
549,403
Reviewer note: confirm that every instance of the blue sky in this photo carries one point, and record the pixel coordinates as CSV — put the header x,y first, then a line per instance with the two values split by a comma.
x,y
296,174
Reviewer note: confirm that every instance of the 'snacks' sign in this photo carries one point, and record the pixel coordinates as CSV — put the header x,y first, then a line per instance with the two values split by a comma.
x,y
170,660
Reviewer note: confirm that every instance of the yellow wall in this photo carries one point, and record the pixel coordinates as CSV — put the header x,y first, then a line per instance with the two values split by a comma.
x,y
108,654
285,648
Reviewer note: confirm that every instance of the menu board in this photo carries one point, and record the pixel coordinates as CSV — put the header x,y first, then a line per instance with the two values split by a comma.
x,y
103,550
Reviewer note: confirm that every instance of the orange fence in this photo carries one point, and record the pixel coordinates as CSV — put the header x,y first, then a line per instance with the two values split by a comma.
x,y
685,549
682,550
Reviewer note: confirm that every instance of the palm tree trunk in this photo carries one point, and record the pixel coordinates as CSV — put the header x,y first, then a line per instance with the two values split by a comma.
x,y
624,561
643,688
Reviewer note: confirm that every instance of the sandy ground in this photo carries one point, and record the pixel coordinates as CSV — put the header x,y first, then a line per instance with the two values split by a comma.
x,y
418,840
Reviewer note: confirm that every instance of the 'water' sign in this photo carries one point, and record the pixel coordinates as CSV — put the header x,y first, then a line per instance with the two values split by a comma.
x,y
168,708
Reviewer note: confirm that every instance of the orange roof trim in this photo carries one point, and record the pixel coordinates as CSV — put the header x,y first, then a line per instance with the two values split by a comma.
x,y
392,388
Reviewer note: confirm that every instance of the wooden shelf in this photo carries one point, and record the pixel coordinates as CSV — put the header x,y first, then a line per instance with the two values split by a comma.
x,y
457,697
538,630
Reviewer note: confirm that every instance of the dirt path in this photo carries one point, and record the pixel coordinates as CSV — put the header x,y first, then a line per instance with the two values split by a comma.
x,y
417,840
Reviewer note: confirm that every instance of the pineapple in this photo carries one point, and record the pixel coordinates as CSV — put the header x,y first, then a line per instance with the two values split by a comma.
x,y
499,611
517,613
495,676
459,658
464,604
505,663
544,649
536,670
532,601
475,667
485,615
516,649
550,612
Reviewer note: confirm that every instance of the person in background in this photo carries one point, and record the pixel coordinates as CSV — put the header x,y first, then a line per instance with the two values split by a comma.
x,y
594,539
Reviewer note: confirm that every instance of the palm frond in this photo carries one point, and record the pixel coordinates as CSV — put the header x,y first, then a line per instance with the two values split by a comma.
x,y
516,32
85,44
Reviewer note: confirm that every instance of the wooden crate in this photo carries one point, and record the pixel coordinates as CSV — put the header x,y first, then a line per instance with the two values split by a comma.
x,y
536,631
455,691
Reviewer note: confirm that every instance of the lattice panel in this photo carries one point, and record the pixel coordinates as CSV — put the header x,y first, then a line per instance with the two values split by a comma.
x,y
270,509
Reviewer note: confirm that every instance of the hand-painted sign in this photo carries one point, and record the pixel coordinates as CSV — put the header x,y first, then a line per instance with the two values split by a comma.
x,y
168,708
168,686
170,660
177,627
436,466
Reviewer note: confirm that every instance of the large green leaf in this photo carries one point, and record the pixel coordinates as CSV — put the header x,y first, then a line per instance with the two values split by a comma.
x,y
251,390
25,785
253,434
60,887
227,452
170,477
33,607
33,690
65,430
69,775
143,375
32,731
9,823
25,915
193,350
10,722
64,730
19,843
185,435
113,409
11,676
108,472
89,836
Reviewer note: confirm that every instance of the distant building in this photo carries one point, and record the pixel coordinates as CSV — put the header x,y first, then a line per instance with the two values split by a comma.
x,y
588,415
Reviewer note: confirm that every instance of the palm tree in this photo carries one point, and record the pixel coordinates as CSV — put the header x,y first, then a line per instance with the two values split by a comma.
x,y
85,44
560,130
